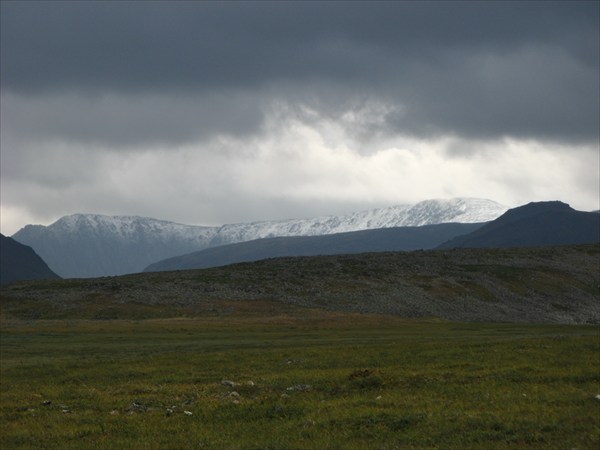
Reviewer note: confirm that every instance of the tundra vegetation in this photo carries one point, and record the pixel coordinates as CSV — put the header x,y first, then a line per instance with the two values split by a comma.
x,y
241,372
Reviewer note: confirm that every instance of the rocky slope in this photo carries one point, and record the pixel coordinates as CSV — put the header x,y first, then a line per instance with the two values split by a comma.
x,y
545,284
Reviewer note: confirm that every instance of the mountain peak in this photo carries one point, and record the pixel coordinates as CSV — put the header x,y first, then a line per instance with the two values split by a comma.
x,y
534,208
554,205
534,224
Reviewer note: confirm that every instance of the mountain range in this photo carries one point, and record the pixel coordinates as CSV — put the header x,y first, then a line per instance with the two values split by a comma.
x,y
91,245
533,273
19,262
534,224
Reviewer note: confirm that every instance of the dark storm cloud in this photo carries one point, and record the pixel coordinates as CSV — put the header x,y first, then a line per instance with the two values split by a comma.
x,y
475,69
129,121
152,44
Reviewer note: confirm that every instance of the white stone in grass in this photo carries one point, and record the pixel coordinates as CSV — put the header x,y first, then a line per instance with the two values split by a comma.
x,y
597,397
187,413
299,388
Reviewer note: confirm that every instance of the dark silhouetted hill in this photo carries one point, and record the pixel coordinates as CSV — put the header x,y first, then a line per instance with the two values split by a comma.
x,y
534,224
20,262
380,240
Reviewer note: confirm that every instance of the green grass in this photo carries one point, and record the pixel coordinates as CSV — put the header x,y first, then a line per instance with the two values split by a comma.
x,y
313,380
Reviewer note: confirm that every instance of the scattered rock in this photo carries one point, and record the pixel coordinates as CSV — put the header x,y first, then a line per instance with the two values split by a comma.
x,y
47,402
229,383
299,388
114,412
66,411
233,396
187,413
137,407
169,411
251,383
597,397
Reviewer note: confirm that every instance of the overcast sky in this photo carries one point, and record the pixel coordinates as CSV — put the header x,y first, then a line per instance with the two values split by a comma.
x,y
212,113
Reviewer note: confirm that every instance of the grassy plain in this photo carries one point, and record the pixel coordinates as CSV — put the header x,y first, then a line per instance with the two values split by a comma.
x,y
302,379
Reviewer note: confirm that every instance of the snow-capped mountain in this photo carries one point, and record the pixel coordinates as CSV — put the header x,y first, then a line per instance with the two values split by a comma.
x,y
428,212
91,245
128,228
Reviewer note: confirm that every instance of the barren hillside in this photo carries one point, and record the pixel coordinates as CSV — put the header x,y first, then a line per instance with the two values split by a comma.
x,y
550,284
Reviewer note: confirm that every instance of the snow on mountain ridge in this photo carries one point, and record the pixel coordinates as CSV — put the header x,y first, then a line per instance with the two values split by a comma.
x,y
90,245
463,210
132,227
428,212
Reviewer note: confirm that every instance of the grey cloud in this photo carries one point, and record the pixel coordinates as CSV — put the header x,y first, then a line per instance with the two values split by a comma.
x,y
536,93
46,165
130,121
476,69
136,45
